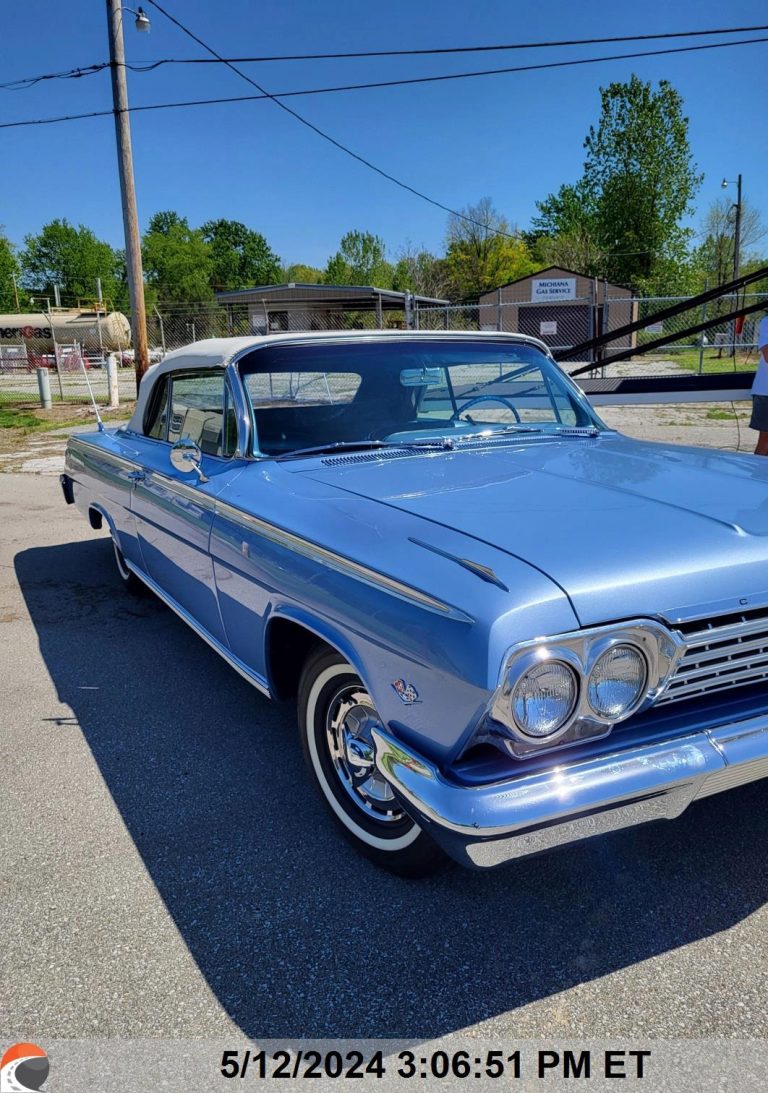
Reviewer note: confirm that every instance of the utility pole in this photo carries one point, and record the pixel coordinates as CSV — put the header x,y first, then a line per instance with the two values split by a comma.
x,y
737,230
736,242
127,187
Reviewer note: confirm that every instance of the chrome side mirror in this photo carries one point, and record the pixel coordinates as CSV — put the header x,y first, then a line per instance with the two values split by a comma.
x,y
186,458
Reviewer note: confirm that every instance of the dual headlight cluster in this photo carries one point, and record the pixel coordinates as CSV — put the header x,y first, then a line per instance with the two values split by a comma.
x,y
562,690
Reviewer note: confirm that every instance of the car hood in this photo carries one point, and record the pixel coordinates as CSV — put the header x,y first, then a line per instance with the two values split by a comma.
x,y
624,527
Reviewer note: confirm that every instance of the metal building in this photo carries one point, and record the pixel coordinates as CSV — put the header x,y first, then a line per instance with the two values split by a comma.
x,y
560,306
273,309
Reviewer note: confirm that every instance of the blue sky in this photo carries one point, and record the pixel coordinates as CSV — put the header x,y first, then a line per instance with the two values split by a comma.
x,y
513,137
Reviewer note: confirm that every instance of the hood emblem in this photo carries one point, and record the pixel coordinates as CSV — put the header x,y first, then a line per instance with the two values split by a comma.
x,y
406,692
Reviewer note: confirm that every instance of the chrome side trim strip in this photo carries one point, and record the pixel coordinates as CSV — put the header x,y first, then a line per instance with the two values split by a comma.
x,y
297,544
338,562
234,662
80,446
190,493
489,824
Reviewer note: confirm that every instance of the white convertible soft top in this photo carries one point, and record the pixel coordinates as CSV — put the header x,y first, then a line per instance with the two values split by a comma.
x,y
220,352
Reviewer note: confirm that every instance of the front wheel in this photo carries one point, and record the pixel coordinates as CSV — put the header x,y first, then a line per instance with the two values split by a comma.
x,y
336,716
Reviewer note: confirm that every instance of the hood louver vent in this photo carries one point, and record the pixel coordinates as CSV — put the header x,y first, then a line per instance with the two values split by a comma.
x,y
364,457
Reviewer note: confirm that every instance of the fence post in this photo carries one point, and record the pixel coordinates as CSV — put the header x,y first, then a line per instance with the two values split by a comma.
x,y
604,323
499,322
112,381
55,349
44,387
162,329
703,335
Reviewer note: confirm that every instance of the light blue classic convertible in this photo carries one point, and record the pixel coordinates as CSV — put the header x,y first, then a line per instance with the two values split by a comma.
x,y
507,626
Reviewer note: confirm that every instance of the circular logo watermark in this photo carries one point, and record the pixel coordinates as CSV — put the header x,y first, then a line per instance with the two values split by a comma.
x,y
23,1069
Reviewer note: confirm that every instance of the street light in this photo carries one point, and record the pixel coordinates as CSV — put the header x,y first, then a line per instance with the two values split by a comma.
x,y
127,186
142,19
737,226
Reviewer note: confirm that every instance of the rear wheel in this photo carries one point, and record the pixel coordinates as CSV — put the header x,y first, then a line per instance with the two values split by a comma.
x,y
129,580
336,716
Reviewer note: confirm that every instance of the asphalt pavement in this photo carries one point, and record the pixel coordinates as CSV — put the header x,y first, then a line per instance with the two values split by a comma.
x,y
167,871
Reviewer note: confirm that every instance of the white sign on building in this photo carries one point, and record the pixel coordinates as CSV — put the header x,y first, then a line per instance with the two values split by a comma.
x,y
553,288
549,327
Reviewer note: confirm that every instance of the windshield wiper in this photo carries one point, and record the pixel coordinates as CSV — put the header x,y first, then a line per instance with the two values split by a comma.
x,y
339,445
363,446
559,430
491,434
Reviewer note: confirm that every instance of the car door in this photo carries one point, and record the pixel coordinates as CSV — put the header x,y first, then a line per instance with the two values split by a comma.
x,y
174,510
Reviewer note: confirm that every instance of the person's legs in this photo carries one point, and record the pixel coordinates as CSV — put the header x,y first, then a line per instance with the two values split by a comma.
x,y
759,422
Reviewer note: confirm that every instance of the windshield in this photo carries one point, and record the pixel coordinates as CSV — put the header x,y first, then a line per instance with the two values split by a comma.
x,y
403,392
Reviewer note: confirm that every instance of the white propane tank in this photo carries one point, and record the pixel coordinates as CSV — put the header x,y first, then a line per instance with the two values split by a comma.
x,y
91,329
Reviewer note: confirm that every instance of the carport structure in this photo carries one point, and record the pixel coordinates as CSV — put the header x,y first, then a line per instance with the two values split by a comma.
x,y
273,309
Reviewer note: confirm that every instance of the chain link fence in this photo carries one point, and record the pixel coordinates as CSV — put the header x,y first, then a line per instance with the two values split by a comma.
x,y
730,345
73,364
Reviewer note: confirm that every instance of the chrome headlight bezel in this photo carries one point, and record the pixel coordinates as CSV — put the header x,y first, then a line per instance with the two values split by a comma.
x,y
659,647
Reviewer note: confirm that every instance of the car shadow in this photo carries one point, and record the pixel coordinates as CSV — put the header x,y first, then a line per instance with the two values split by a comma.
x,y
295,933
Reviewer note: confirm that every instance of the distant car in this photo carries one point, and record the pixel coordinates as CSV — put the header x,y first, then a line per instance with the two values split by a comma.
x,y
507,626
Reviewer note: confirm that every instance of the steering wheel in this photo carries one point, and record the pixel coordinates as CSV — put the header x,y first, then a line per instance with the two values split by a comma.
x,y
486,398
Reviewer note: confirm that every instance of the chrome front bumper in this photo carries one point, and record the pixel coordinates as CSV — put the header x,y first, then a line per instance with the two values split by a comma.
x,y
484,826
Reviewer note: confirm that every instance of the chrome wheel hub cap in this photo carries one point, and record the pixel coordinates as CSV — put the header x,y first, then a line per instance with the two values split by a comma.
x,y
351,717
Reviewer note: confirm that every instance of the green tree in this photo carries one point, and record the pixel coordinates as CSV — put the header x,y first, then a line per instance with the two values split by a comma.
x,y
9,268
482,252
178,264
360,260
420,271
638,184
641,179
240,257
714,256
72,258
299,274
563,213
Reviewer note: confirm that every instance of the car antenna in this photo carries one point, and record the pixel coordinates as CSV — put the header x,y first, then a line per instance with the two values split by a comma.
x,y
99,422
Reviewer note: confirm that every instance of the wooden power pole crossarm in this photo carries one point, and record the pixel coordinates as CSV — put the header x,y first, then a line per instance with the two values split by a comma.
x,y
127,189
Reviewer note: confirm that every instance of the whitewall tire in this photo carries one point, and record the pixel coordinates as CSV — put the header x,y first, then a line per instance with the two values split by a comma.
x,y
335,717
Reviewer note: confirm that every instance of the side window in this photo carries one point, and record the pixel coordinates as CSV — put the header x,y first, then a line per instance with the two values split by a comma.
x,y
155,418
196,410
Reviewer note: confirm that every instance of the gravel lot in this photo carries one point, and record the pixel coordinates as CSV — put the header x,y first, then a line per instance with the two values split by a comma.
x,y
167,871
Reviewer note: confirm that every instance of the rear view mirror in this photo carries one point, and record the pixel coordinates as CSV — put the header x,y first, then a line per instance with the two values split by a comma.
x,y
186,458
422,377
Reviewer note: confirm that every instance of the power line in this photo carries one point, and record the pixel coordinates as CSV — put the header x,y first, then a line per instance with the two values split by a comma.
x,y
382,83
406,81
69,74
88,70
326,136
345,148
454,49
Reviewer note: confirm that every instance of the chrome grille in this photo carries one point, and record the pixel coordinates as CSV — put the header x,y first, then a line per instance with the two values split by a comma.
x,y
730,651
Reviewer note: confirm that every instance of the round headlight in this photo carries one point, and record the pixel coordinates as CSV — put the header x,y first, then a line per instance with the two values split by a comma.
x,y
616,681
544,698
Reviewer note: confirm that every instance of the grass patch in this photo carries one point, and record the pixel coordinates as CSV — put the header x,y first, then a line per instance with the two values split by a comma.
x,y
715,414
20,424
711,363
18,418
